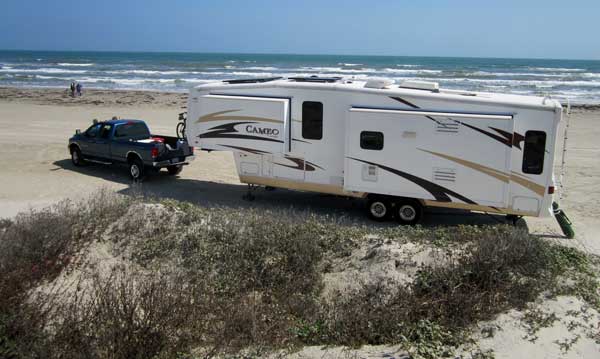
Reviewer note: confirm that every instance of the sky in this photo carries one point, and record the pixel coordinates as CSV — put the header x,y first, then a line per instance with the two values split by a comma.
x,y
463,28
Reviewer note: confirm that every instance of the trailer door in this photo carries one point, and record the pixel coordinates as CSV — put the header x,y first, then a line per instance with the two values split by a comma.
x,y
256,125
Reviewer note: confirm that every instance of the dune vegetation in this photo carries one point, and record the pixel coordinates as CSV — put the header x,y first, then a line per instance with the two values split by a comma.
x,y
124,277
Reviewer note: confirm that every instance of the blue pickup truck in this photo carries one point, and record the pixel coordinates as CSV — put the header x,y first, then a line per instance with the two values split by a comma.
x,y
130,142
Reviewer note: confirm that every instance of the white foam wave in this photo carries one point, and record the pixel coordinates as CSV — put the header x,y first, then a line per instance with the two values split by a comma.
x,y
44,71
349,65
147,72
69,64
408,65
515,83
404,71
259,68
555,69
339,70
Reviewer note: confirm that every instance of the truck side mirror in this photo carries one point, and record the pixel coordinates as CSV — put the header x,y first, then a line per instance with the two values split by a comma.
x,y
78,132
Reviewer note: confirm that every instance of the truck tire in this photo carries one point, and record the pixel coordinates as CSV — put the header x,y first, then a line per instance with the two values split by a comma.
x,y
76,157
379,209
408,212
136,169
175,170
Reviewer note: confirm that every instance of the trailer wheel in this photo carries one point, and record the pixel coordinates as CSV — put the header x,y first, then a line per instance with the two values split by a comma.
x,y
136,169
408,212
175,170
379,209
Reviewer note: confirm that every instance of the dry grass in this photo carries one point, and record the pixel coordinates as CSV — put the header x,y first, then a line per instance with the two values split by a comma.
x,y
195,282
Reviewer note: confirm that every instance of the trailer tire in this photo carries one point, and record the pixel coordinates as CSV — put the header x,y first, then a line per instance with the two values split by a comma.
x,y
408,212
136,169
174,170
76,157
379,209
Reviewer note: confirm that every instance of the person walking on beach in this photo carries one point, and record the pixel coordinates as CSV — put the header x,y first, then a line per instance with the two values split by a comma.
x,y
73,89
78,88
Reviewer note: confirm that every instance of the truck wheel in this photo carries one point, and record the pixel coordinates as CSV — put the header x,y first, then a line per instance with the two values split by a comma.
x,y
76,157
379,209
408,212
175,170
136,169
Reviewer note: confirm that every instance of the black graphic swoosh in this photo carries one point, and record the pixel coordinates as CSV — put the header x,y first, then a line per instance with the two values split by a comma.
x,y
300,164
440,193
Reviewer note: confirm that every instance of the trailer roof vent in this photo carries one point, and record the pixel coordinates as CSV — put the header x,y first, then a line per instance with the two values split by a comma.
x,y
251,81
316,79
421,85
378,83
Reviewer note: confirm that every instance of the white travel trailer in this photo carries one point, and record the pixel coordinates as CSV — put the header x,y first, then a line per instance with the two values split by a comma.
x,y
402,147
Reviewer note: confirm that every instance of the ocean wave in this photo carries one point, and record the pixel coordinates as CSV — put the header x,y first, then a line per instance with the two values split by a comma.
x,y
338,70
556,69
68,64
404,71
147,72
44,71
408,65
348,64
516,83
260,68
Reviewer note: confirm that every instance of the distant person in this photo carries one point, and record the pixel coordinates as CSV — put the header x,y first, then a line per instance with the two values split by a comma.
x,y
73,89
78,88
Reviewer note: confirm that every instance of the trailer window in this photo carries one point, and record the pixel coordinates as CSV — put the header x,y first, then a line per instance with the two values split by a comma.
x,y
533,152
312,120
371,140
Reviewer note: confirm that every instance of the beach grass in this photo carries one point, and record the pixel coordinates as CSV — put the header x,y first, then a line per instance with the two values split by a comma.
x,y
132,277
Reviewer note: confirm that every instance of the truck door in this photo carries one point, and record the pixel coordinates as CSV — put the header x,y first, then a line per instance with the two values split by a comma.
x,y
101,146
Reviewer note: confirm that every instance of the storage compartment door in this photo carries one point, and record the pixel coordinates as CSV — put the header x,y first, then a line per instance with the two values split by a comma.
x,y
255,125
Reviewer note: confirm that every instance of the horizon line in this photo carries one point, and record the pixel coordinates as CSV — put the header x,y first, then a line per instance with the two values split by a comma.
x,y
297,54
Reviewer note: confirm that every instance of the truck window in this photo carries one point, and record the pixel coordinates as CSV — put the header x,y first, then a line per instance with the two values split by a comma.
x,y
370,140
135,130
92,131
312,120
533,152
105,131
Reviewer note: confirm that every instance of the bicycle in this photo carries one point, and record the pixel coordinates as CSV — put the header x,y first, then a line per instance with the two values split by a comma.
x,y
180,129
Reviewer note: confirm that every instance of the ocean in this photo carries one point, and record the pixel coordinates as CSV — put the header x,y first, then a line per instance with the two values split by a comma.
x,y
576,80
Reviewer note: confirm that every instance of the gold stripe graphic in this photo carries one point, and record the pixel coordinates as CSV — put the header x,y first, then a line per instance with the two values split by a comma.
x,y
222,116
504,177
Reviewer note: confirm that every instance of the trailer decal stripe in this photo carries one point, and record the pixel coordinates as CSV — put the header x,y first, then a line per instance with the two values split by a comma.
x,y
506,138
217,116
504,177
249,150
410,104
440,193
472,165
300,164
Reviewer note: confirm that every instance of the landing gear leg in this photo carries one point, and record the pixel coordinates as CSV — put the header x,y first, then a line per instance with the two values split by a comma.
x,y
249,196
511,218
